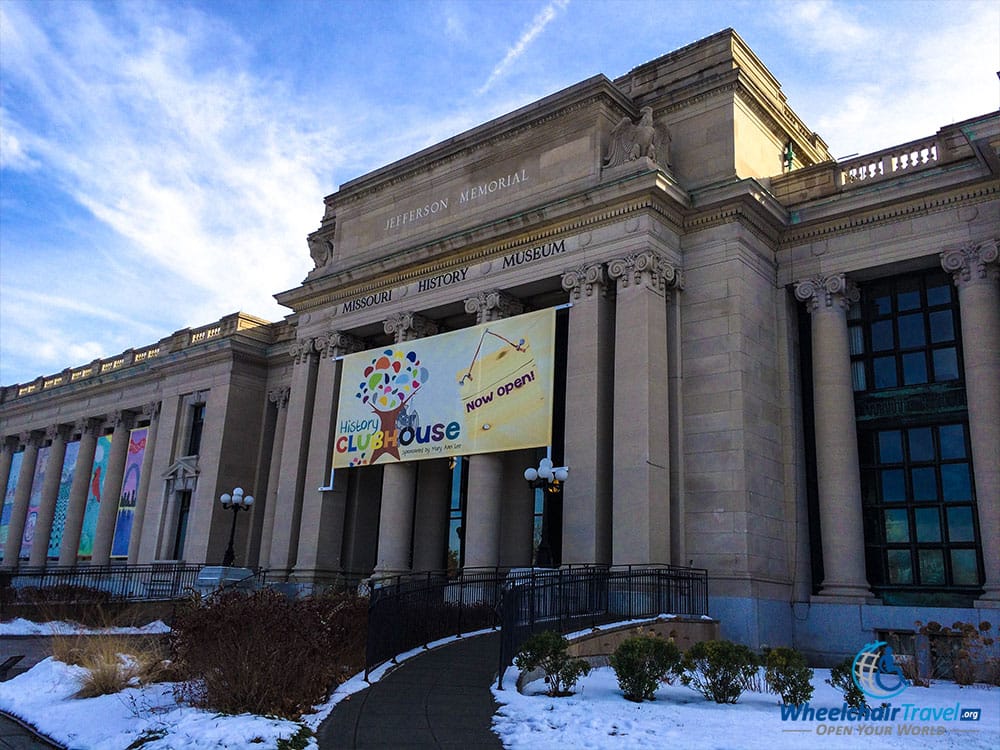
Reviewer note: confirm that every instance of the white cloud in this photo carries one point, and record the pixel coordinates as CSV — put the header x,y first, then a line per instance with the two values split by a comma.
x,y
544,17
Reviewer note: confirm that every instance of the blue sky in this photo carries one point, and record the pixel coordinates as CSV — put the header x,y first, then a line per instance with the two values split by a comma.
x,y
161,163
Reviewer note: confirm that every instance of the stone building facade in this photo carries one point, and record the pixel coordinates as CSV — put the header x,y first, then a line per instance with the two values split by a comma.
x,y
779,367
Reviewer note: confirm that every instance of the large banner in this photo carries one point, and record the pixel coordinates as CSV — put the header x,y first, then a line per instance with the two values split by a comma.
x,y
130,489
62,501
99,471
478,390
8,498
35,501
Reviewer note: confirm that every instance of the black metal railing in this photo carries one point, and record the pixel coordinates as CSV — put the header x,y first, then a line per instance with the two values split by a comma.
x,y
581,597
120,583
410,611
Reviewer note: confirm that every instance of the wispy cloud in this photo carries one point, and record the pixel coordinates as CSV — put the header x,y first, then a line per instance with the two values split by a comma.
x,y
544,17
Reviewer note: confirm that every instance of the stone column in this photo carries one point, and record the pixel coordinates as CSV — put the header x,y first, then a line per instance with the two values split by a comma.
x,y
589,443
976,271
22,495
641,473
321,530
59,435
152,412
90,430
430,540
838,473
395,530
8,446
278,397
107,514
485,491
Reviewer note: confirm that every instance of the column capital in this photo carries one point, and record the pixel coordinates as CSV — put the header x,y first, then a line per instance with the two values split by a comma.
x,y
821,292
279,396
89,426
300,350
62,431
646,268
493,304
406,326
31,437
338,343
151,411
123,418
586,280
9,444
972,263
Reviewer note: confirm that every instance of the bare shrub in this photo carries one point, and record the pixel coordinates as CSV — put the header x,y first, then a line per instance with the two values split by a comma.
x,y
113,663
265,654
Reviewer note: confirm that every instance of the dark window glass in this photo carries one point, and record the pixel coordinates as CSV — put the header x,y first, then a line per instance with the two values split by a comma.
x,y
882,337
897,525
890,447
942,327
952,438
911,331
885,372
900,567
914,368
197,427
893,487
960,524
924,481
945,364
955,482
938,293
931,567
928,524
908,294
882,300
921,444
963,567
857,339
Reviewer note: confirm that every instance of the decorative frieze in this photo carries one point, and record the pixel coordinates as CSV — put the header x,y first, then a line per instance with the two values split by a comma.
x,y
820,292
974,262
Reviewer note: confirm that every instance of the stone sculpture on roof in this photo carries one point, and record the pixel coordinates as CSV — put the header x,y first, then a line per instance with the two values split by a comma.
x,y
630,141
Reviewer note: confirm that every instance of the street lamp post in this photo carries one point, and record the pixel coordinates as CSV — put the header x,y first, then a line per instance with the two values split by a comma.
x,y
549,479
235,502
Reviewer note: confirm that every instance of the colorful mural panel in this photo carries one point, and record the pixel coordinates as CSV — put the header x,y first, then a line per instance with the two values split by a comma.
x,y
34,501
94,495
8,498
62,501
130,490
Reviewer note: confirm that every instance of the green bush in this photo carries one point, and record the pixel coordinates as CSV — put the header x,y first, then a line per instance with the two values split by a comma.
x,y
842,679
642,663
548,651
719,670
265,654
787,674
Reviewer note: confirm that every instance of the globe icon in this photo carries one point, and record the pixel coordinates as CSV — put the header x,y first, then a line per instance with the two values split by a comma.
x,y
875,673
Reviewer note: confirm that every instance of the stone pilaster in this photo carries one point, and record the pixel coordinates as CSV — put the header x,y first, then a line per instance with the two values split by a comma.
x,y
482,522
321,531
108,512
8,446
278,397
151,412
22,496
588,444
90,430
976,272
838,472
395,530
641,473
493,305
59,435
430,539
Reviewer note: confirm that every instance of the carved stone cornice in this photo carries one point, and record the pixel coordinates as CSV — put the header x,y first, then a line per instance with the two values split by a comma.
x,y
493,304
406,326
972,263
337,343
279,396
300,350
647,269
587,279
823,292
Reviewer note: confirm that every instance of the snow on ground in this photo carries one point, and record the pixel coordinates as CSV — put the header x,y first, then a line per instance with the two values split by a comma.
x,y
26,627
597,717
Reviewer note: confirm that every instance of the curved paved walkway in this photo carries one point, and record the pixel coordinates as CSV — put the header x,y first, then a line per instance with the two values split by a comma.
x,y
16,736
439,699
